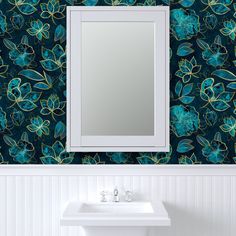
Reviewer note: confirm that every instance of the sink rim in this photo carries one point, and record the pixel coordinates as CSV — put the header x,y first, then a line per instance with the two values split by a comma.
x,y
140,208
72,217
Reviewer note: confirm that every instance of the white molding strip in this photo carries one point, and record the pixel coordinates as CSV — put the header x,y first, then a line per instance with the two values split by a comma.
x,y
118,170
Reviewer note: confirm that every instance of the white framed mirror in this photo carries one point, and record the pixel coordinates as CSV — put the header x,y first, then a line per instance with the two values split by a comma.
x,y
118,79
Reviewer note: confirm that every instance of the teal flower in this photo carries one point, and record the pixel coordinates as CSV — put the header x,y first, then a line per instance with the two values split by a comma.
x,y
185,160
22,95
229,29
21,54
39,29
183,92
52,106
92,160
26,7
52,10
229,126
184,120
17,20
219,7
39,126
215,94
21,151
3,120
54,59
154,158
215,151
118,157
17,117
56,154
215,54
188,69
184,24
3,68
210,21
210,117
3,24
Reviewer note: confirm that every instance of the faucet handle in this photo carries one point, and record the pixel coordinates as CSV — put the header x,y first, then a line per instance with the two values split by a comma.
x,y
128,196
116,195
103,196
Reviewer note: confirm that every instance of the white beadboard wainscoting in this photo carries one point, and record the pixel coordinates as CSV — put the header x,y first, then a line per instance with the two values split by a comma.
x,y
201,200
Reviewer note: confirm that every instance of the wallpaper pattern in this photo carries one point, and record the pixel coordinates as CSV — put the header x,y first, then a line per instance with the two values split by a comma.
x,y
33,91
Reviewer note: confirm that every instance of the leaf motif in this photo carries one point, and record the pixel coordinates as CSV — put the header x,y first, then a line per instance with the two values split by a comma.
x,y
231,85
217,137
187,89
185,145
219,9
184,49
225,128
47,150
49,65
42,86
226,96
220,105
202,141
60,33
68,160
9,44
33,96
186,99
202,44
27,8
178,88
9,141
60,130
47,54
217,40
225,74
27,105
25,137
32,74
25,40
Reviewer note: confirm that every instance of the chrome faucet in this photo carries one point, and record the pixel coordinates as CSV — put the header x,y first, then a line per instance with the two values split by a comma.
x,y
116,195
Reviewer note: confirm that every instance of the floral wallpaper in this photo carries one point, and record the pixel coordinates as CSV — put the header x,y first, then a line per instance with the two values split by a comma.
x,y
33,83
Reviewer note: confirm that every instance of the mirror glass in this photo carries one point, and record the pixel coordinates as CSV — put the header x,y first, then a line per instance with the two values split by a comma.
x,y
117,78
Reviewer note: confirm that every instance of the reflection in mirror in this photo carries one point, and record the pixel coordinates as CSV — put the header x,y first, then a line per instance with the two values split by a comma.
x,y
117,78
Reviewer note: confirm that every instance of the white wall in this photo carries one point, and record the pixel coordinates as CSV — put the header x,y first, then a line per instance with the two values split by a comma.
x,y
201,200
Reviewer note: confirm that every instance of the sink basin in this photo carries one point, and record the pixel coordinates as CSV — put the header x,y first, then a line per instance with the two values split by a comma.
x,y
110,214
116,208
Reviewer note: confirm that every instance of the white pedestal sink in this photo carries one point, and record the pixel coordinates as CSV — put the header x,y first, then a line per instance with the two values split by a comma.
x,y
115,219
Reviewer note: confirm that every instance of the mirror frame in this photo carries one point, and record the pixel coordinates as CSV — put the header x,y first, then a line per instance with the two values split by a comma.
x,y
159,15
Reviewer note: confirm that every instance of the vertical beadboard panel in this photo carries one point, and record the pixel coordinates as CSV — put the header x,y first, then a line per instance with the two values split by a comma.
x,y
11,205
197,205
3,206
20,205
